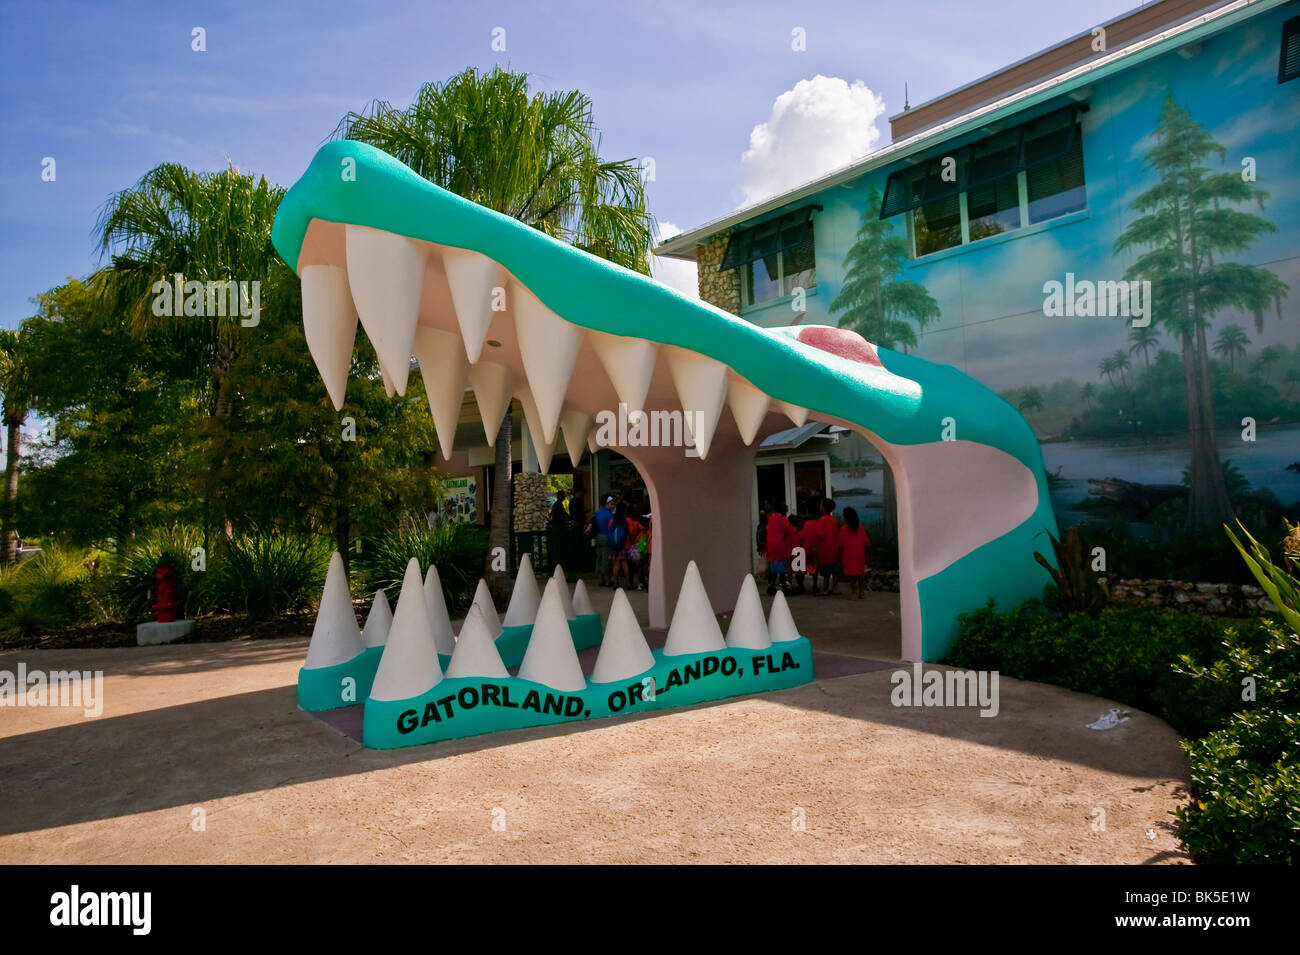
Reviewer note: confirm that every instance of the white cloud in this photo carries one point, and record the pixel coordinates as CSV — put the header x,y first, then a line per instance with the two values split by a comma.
x,y
821,125
675,273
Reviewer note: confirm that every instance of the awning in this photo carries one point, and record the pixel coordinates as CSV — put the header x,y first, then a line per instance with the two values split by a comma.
x,y
767,238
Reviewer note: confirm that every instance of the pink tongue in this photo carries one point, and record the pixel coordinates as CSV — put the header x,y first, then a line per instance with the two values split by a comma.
x,y
841,342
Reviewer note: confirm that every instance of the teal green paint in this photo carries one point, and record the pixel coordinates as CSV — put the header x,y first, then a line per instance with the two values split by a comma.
x,y
678,681
904,404
324,688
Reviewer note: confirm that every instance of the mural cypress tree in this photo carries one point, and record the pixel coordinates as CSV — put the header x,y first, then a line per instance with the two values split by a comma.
x,y
1186,227
881,307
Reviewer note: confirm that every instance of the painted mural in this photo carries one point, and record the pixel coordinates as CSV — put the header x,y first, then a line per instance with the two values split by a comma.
x,y
1183,416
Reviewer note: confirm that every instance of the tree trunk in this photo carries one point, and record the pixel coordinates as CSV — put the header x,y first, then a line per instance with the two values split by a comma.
x,y
13,425
343,535
1208,504
500,582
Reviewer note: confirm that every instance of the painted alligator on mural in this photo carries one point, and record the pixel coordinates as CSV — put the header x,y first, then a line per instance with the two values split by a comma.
x,y
1137,501
482,300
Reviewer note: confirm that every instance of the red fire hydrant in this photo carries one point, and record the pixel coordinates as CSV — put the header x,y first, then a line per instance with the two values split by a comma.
x,y
165,595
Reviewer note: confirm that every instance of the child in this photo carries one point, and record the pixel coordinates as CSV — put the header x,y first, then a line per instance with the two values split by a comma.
x,y
780,541
853,551
809,537
828,547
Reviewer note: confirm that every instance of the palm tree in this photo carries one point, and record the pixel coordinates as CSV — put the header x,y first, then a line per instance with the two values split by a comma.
x,y
1231,343
1120,364
202,226
1292,379
1143,339
1107,367
1031,399
1269,359
14,415
1088,393
534,157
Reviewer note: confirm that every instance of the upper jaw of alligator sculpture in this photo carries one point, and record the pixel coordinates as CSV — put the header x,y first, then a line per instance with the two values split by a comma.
x,y
482,301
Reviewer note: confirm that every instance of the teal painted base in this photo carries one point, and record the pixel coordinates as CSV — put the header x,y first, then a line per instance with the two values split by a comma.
x,y
471,706
585,629
327,688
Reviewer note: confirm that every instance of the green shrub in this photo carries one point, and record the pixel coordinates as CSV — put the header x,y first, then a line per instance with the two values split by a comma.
x,y
1245,805
1125,654
458,550
264,575
131,571
46,592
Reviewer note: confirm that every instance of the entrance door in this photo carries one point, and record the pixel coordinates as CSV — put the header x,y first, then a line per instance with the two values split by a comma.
x,y
810,486
771,484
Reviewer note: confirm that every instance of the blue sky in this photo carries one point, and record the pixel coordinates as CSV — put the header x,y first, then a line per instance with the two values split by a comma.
x,y
110,90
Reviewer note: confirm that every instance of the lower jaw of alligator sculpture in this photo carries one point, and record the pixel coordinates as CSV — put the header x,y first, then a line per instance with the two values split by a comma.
x,y
414,693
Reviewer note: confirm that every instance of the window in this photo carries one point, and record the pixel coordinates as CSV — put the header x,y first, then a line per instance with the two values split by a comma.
x,y
1288,66
1024,175
774,257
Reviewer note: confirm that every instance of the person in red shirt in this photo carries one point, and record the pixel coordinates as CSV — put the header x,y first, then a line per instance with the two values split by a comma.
x,y
828,548
854,542
807,538
780,541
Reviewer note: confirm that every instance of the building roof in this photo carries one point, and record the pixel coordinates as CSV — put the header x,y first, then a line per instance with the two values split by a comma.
x,y
1069,82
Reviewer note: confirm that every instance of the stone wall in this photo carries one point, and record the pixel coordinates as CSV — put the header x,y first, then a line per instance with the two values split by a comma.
x,y
721,289
1233,600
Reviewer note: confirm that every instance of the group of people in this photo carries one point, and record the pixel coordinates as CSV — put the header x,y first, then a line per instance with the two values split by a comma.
x,y
623,533
814,547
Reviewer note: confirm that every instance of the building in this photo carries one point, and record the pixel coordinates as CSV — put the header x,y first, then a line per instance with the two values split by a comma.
x,y
1013,229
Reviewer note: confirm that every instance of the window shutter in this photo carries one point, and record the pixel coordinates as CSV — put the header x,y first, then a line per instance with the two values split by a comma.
x,y
1288,66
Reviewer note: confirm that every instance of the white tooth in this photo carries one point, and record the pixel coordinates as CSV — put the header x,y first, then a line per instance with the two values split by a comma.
x,y
702,387
796,414
549,347
592,445
386,273
409,665
335,638
551,658
544,449
388,382
575,425
582,600
525,598
476,650
472,278
329,322
694,628
483,600
563,584
493,386
378,622
780,624
630,364
445,371
623,650
748,628
748,406
439,619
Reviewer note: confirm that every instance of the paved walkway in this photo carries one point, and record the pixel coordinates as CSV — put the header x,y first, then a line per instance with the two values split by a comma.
x,y
830,771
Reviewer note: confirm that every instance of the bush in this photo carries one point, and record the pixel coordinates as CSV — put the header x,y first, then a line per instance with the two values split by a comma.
x,y
1245,805
132,570
264,575
458,550
1125,654
50,591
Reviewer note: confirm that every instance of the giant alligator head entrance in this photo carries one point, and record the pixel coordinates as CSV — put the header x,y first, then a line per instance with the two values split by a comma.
x,y
574,335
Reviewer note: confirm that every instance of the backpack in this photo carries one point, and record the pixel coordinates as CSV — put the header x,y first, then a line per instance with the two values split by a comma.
x,y
616,536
